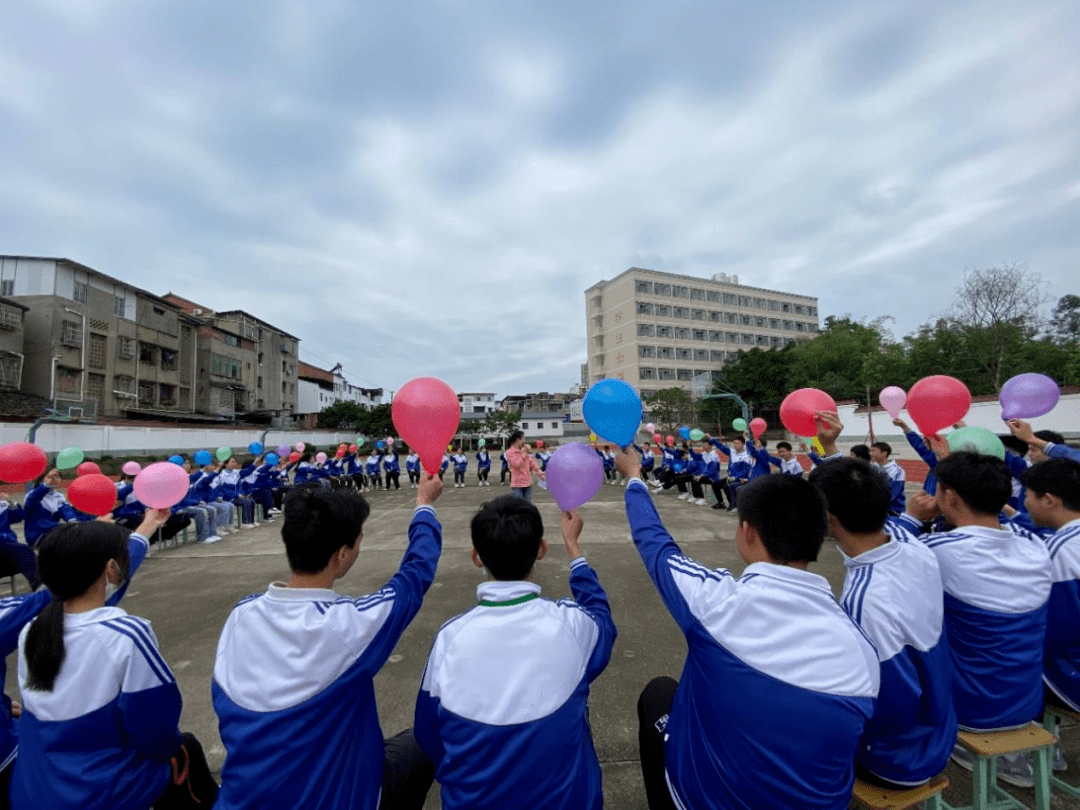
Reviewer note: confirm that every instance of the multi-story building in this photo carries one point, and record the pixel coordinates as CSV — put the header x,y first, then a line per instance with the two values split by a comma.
x,y
275,391
476,402
319,389
98,346
542,402
11,344
661,330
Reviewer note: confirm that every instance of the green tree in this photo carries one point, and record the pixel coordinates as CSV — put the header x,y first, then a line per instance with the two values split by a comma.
x,y
377,422
670,408
500,423
341,416
836,360
1065,319
760,377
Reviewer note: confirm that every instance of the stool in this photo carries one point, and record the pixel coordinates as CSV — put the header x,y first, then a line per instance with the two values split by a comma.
x,y
1049,715
986,747
879,798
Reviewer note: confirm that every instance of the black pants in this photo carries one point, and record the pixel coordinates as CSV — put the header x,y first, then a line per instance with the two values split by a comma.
x,y
482,473
393,475
17,558
279,496
681,480
414,477
502,475
459,476
191,784
652,709
666,478
645,474
407,774
609,473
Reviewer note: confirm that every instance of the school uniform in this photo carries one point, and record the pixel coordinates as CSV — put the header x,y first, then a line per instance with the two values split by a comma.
x,y
227,487
483,467
504,468
371,469
1062,451
293,687
480,716
790,467
303,472
927,455
740,467
412,467
392,468
1061,664
768,653
11,550
44,508
461,464
894,475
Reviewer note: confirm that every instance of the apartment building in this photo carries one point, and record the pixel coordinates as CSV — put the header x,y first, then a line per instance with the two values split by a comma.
x,y
661,330
477,402
12,338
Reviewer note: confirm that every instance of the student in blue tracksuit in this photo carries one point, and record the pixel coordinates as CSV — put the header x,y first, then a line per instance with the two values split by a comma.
x,y
648,460
504,468
740,464
354,466
304,470
44,507
608,459
483,468
893,591
227,487
769,654
253,479
100,705
785,460
201,494
392,468
444,465
881,457
13,553
496,740
412,467
461,464
293,679
372,469
666,473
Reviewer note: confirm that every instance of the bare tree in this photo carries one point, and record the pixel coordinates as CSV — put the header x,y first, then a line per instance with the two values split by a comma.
x,y
997,307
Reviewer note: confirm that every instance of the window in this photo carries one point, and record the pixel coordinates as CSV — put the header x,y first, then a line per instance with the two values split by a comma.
x,y
701,355
644,287
811,310
774,305
124,385
745,320
168,360
696,294
146,394
716,336
759,322
644,308
230,340
663,310
666,353
700,334
662,289
788,325
681,312
227,367
800,326
70,334
125,347
682,333
684,374
785,307
80,292
798,309
96,357
683,354
7,286
147,353
524,425
732,337
95,390
666,373
646,351
226,400
158,311
762,340
747,340
680,292
744,300
698,314
167,395
646,330
647,373
10,317
776,341
119,306
714,296
811,327
774,323
759,303
729,298
716,357
68,380
554,425
665,331
715,317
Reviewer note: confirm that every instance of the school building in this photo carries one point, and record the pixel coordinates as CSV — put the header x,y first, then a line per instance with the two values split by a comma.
x,y
659,330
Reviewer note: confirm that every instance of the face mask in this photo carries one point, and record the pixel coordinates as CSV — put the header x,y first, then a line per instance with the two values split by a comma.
x,y
110,590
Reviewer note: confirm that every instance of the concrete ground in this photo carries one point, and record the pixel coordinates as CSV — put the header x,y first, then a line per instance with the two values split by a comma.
x,y
187,593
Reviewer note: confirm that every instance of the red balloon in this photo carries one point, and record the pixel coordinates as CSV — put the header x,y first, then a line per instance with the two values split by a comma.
x,y
798,409
340,453
539,444
294,456
657,438
92,493
758,426
936,402
670,441
21,461
353,448
426,414
88,468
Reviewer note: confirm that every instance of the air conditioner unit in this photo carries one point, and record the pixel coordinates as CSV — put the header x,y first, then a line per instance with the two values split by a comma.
x,y
284,347
196,311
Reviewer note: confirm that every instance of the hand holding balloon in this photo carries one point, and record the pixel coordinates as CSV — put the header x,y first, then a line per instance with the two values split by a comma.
x,y
829,429
628,464
153,519
571,525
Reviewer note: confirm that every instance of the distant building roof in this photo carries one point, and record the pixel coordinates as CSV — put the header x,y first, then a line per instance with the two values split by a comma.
x,y
306,371
257,320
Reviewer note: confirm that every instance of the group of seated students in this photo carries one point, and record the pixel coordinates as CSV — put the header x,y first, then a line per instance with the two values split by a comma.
x,y
973,627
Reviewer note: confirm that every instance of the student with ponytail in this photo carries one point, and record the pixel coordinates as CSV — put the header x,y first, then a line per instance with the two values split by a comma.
x,y
100,705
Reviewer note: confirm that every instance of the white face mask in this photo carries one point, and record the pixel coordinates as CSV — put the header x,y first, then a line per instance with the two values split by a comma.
x,y
110,590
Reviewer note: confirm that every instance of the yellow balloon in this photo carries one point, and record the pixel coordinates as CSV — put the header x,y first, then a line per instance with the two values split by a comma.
x,y
592,437
817,446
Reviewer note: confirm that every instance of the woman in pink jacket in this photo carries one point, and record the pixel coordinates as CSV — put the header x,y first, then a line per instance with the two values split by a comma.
x,y
522,465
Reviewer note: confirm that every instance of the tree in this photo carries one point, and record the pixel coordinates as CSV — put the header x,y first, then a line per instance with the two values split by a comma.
x,y
670,408
500,423
1065,319
760,377
836,360
340,416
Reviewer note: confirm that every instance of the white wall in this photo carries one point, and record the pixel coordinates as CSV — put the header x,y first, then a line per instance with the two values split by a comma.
x,y
544,432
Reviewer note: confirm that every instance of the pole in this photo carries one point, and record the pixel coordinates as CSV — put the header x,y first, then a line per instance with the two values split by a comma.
x,y
870,414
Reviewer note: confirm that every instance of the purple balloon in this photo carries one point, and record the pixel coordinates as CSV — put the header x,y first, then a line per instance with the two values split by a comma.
x,y
1026,396
283,450
575,473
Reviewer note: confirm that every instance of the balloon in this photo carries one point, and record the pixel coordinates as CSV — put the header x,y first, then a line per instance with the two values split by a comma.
x,y
892,399
798,409
131,468
816,444
177,460
574,474
426,414
353,448
340,453
255,448
684,432
539,444
976,440
90,468
361,440
203,457
697,434
657,438
69,458
593,438
294,456
612,410
223,453
161,485
481,443
300,447
670,440
94,494
650,427
272,459
21,461
283,450
938,401
390,441
678,466
320,457
739,425
758,426
1026,396
379,445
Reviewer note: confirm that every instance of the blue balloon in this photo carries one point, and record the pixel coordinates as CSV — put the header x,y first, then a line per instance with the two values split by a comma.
x,y
684,432
379,445
678,466
612,410
272,459
255,448
203,457
177,460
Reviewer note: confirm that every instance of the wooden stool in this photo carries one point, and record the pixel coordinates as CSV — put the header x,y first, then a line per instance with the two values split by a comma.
x,y
1049,715
879,798
986,747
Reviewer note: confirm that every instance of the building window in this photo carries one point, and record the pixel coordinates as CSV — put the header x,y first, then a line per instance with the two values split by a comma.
x,y
646,330
700,334
230,340
70,333
80,292
789,326
664,331
119,306
762,340
68,380
800,326
714,296
729,298
666,373
684,374
644,308
663,310
759,322
96,355
644,287
123,385
785,307
811,310
759,303
662,289
715,317
731,317
798,309
701,355
7,286
776,341
683,354
716,357
665,353
698,314
732,337
147,353
227,367
95,390
554,425
745,320
774,305
10,317
680,292
226,400
125,347
681,312
682,333
167,395
646,351
647,373
524,425
696,294
716,337
146,394
744,300
168,360
747,340
774,323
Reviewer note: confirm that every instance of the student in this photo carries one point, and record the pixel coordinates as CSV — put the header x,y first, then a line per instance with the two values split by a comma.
x,y
710,474
504,467
666,474
100,705
44,507
483,468
412,467
997,585
355,466
740,464
880,456
1042,444
522,466
461,464
647,460
769,654
392,469
785,460
12,552
608,458
372,470
217,515
444,465
497,740
893,591
227,487
860,452
292,684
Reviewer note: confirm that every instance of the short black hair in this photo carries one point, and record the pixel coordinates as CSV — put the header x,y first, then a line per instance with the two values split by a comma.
x,y
982,482
1056,476
861,451
783,445
1018,446
1051,436
318,522
789,513
517,434
857,494
506,533
883,447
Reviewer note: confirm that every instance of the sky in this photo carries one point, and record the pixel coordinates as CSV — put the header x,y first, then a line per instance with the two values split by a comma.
x,y
428,187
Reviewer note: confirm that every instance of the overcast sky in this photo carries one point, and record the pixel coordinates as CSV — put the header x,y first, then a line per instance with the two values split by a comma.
x,y
429,187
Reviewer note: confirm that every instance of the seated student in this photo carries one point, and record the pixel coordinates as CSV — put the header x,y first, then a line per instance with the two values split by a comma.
x,y
893,591
45,506
292,684
100,705
785,460
227,487
710,474
498,739
997,585
666,474
1042,444
769,654
740,465
13,554
648,460
881,457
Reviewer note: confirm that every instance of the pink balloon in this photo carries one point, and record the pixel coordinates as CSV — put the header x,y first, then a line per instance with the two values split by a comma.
x,y
574,474
300,447
758,426
131,468
320,457
892,399
938,401
390,442
650,427
161,485
657,438
798,409
426,414
21,461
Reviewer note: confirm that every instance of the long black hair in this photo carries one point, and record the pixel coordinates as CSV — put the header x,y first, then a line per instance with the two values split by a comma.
x,y
70,559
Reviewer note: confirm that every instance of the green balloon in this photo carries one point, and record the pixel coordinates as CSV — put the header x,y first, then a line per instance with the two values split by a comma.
x,y
69,458
739,425
697,435
223,453
481,443
976,440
